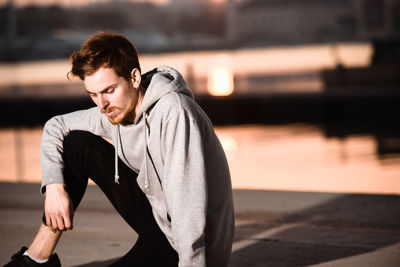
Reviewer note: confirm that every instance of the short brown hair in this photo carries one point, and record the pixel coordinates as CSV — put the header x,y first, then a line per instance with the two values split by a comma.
x,y
105,49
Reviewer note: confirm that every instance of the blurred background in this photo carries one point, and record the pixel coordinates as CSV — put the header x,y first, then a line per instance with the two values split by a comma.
x,y
304,95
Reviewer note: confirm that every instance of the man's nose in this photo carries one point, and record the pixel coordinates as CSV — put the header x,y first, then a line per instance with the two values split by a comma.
x,y
103,101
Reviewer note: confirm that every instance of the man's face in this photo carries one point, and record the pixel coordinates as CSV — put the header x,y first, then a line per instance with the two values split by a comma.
x,y
114,95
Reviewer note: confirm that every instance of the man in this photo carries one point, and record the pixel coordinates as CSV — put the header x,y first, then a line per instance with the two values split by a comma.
x,y
166,172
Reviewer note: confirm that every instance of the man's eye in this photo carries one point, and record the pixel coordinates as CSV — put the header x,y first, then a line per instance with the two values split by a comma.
x,y
111,90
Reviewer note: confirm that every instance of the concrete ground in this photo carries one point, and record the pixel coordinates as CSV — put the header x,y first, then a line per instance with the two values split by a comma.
x,y
273,228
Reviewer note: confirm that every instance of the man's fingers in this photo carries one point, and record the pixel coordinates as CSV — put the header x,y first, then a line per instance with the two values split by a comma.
x,y
60,223
52,224
67,222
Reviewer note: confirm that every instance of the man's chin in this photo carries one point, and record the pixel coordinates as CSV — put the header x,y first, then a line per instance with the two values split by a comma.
x,y
114,121
120,118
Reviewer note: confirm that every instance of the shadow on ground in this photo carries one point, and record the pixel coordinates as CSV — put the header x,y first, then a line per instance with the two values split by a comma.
x,y
345,226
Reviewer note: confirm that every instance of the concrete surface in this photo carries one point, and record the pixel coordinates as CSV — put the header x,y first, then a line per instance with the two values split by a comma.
x,y
273,228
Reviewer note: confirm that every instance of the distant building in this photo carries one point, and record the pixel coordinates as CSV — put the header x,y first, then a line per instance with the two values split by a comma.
x,y
292,21
189,7
378,18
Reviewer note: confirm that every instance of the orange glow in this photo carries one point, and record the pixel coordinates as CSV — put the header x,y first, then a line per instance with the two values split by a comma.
x,y
221,83
229,145
220,78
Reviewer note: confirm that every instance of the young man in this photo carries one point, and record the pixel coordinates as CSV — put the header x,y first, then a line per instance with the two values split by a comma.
x,y
165,172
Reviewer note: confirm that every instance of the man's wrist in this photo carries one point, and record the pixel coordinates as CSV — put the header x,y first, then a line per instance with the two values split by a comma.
x,y
54,187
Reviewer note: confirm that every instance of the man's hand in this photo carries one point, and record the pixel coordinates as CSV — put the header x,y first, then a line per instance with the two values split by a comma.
x,y
58,208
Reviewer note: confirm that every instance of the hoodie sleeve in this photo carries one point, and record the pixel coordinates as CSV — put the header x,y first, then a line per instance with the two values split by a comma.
x,y
184,184
54,132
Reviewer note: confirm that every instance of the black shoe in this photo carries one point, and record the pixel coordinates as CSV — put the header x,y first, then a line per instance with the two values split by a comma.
x,y
19,260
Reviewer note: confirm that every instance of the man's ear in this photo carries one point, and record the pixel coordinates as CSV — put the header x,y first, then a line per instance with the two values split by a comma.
x,y
136,77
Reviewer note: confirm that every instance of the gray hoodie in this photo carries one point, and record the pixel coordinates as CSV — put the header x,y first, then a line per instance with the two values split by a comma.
x,y
181,166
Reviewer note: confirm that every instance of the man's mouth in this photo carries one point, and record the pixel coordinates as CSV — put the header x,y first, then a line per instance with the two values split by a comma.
x,y
109,112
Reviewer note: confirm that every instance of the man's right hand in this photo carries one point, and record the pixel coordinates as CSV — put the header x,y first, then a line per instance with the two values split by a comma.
x,y
58,208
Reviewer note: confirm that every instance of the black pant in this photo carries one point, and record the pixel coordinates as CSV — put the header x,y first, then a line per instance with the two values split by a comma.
x,y
86,155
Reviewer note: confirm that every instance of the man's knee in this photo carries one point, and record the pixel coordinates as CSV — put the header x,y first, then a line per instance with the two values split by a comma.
x,y
75,138
78,140
84,144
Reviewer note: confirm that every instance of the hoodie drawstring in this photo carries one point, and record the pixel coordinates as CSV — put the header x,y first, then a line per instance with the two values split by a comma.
x,y
146,181
116,176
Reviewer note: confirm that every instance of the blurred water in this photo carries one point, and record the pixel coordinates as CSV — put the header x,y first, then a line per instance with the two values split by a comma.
x,y
341,151
278,157
301,63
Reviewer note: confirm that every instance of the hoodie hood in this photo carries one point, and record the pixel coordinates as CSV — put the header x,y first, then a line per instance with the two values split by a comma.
x,y
159,82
